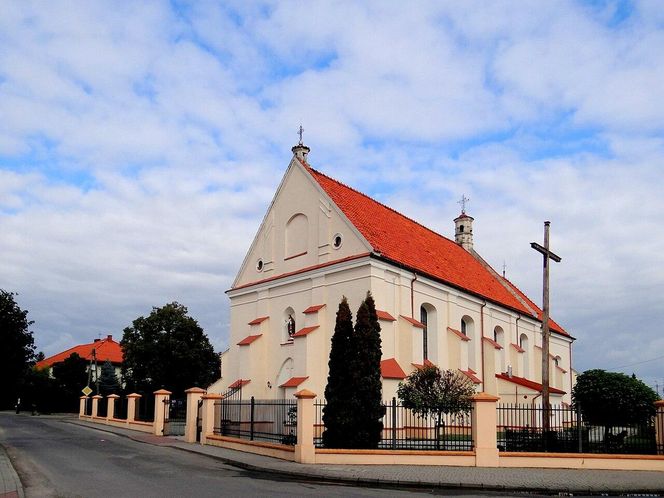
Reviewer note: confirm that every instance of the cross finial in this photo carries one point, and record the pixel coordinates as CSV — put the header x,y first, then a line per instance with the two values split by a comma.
x,y
300,132
504,268
464,200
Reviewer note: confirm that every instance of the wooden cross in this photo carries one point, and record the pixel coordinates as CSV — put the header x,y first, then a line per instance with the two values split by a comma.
x,y
547,255
463,202
300,132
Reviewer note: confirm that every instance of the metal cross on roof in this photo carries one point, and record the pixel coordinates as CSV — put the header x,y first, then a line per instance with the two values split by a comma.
x,y
463,202
300,132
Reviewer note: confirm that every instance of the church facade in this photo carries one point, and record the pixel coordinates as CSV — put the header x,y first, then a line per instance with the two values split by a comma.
x,y
438,301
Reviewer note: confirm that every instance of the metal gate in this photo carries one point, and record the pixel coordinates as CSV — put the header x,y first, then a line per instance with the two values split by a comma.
x,y
175,417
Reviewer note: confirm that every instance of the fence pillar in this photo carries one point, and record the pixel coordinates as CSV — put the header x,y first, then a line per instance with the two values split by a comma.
x,y
208,414
95,405
162,400
305,452
110,406
81,406
485,424
659,426
132,399
191,423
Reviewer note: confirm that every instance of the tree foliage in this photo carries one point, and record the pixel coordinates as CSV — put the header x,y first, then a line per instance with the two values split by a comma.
x,y
167,349
430,391
338,410
353,411
368,386
18,349
613,399
108,381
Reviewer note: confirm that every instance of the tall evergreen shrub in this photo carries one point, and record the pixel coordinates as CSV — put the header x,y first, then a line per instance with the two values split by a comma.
x,y
338,411
367,392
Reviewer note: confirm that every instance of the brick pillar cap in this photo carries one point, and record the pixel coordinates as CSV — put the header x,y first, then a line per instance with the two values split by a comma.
x,y
162,391
482,397
196,390
83,397
659,403
97,396
134,395
114,396
305,394
212,396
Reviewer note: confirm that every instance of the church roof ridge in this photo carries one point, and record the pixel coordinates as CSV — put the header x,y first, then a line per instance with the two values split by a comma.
x,y
317,172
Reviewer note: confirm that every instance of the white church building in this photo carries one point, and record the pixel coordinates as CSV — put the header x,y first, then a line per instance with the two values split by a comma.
x,y
438,301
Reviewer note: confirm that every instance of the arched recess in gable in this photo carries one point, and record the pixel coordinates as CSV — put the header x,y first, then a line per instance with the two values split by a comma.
x,y
297,235
285,373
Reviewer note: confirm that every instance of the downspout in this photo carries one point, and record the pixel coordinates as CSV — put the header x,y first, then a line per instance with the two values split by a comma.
x,y
482,343
516,324
571,375
412,296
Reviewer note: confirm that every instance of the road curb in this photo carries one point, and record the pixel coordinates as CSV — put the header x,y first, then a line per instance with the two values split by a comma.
x,y
10,478
391,483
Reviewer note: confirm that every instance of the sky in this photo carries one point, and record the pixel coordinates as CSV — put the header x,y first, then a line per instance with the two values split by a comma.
x,y
141,144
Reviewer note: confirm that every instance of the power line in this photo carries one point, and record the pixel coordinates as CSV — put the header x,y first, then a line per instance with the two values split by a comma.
x,y
638,363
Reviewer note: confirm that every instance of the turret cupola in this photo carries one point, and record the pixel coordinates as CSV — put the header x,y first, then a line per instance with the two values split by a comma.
x,y
463,227
300,150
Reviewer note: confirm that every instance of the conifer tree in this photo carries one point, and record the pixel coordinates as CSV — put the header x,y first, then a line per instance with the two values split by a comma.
x,y
367,395
108,381
338,411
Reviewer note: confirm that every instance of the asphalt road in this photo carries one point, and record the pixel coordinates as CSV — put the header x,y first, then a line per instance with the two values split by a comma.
x,y
56,459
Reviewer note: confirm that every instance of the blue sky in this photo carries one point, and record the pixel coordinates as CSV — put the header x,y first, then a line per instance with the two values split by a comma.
x,y
141,143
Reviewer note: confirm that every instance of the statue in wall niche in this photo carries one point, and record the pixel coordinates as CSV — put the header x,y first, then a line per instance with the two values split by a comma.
x,y
290,325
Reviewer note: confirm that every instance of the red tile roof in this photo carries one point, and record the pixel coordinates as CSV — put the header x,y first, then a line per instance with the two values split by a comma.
x,y
471,375
530,384
305,331
313,309
294,382
105,349
518,348
248,340
390,369
412,321
384,315
239,383
396,238
459,334
427,363
492,342
258,320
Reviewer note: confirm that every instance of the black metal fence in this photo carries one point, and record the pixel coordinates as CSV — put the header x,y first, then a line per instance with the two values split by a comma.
x,y
120,408
145,408
102,407
404,430
177,417
88,406
520,429
257,420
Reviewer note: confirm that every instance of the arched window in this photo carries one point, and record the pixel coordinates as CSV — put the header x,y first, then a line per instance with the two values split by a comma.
x,y
499,337
524,344
425,338
297,235
289,327
468,329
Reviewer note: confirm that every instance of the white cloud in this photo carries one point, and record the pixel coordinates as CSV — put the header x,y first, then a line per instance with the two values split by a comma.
x,y
141,143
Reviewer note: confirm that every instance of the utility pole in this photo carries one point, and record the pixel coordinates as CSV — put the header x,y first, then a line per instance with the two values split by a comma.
x,y
547,255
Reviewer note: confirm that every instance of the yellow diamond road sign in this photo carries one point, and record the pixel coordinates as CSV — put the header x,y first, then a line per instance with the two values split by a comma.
x,y
87,391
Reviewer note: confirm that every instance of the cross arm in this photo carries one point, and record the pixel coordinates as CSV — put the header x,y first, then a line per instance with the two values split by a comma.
x,y
545,252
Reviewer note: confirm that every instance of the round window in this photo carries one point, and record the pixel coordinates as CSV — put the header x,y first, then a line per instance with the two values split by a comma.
x,y
337,240
259,265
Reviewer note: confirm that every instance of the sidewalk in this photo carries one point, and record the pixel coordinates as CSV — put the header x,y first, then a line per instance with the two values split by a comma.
x,y
10,484
545,481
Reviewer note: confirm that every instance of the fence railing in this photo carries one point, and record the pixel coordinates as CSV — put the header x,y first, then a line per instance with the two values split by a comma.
x,y
404,430
120,408
88,407
520,429
102,407
145,408
257,420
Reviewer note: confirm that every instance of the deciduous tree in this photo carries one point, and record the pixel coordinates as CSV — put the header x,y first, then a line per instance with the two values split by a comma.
x,y
167,349
613,399
430,391
18,349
